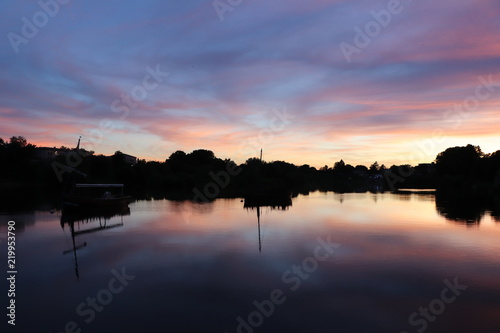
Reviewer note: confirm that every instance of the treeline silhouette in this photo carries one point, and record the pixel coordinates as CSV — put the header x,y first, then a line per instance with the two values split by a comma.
x,y
468,168
182,175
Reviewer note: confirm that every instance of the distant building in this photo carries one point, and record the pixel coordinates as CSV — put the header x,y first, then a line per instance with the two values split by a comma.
x,y
46,153
81,152
49,153
129,159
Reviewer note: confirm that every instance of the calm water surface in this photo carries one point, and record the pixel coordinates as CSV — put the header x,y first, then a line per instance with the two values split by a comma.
x,y
188,267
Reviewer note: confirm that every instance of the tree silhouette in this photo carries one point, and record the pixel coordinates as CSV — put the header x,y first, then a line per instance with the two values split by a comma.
x,y
340,167
18,141
458,160
201,156
178,156
374,167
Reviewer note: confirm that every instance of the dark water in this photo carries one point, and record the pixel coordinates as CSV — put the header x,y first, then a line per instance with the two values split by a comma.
x,y
329,263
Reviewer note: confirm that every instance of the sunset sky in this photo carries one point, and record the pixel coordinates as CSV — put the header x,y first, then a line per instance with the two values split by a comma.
x,y
293,77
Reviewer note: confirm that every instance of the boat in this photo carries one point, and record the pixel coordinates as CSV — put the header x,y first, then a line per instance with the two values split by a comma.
x,y
93,198
96,196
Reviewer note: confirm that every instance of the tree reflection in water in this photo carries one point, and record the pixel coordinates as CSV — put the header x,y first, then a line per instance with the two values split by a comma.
x,y
467,209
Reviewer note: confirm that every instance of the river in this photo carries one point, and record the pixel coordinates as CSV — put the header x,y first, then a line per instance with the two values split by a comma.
x,y
330,262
